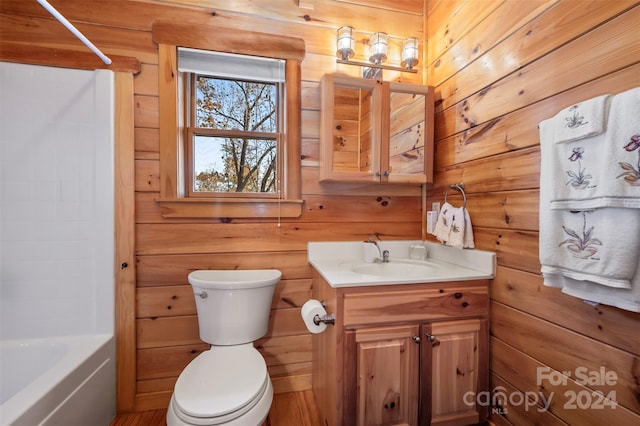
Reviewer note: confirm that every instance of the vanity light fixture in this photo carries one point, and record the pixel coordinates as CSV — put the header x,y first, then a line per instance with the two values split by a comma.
x,y
410,52
378,51
346,43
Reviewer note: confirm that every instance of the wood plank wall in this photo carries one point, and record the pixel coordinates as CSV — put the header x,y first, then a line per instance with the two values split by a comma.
x,y
166,330
499,68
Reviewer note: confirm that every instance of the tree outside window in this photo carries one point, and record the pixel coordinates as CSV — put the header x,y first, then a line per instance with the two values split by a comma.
x,y
234,135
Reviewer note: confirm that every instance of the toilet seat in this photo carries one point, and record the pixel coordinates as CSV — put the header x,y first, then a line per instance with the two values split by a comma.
x,y
220,385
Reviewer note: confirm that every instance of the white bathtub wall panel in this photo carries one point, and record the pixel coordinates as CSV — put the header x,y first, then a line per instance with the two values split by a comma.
x,y
56,213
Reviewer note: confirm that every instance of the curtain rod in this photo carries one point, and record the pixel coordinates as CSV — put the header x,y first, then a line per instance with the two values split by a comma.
x,y
74,30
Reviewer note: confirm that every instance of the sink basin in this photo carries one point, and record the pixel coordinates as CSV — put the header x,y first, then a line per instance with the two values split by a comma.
x,y
395,269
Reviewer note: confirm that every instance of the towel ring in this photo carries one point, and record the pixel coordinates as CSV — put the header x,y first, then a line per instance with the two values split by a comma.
x,y
458,187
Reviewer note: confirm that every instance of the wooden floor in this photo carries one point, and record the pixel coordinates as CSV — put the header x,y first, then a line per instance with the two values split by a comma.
x,y
287,409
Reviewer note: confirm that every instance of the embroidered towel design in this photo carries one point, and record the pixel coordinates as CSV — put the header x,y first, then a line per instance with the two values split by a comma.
x,y
583,120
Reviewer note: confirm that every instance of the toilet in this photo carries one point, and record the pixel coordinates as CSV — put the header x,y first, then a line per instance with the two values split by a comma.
x,y
229,383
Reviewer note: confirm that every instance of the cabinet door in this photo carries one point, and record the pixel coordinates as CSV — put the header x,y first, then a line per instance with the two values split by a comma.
x,y
351,112
407,133
454,370
387,364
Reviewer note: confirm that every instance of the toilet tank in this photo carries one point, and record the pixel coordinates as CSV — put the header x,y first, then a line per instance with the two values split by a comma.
x,y
233,305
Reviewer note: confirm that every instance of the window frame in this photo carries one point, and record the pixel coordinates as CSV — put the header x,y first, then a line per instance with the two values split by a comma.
x,y
191,131
172,199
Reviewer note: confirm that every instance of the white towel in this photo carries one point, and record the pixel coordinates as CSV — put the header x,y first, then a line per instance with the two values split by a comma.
x,y
623,298
461,234
583,120
454,227
600,171
598,245
443,225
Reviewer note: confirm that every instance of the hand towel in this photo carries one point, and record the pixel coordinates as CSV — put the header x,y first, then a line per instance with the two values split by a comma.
x,y
582,120
604,170
458,226
461,233
454,227
443,225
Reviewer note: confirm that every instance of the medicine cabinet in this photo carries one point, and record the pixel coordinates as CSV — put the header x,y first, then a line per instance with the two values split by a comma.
x,y
375,131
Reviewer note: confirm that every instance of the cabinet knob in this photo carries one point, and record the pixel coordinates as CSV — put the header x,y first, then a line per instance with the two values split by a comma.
x,y
432,339
386,172
416,339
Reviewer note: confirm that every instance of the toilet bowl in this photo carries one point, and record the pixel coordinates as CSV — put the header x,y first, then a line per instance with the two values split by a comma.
x,y
229,383
222,386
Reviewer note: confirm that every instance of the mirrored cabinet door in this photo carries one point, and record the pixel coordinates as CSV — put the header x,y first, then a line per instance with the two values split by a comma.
x,y
350,129
409,113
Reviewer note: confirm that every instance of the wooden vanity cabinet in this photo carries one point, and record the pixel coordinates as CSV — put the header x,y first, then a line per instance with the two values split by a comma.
x,y
402,354
375,131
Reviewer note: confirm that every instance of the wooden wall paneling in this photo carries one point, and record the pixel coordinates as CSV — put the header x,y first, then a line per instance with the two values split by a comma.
x,y
146,82
311,186
170,269
285,350
167,331
505,209
393,18
573,64
214,238
48,32
139,16
514,248
521,370
483,37
450,20
518,129
526,292
159,332
539,338
487,124
525,413
158,363
521,44
147,144
147,176
517,170
283,355
147,111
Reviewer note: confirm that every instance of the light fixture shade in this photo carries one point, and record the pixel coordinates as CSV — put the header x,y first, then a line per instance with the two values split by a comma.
x,y
345,43
379,46
410,52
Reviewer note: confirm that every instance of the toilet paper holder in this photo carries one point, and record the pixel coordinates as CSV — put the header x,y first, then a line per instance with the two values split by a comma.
x,y
325,319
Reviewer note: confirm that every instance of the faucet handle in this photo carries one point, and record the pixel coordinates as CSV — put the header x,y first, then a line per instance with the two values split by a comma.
x,y
372,236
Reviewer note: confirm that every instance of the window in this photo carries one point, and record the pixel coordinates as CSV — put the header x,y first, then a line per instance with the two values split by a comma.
x,y
234,115
187,140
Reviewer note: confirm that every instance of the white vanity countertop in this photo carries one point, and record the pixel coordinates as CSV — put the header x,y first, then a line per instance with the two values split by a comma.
x,y
339,264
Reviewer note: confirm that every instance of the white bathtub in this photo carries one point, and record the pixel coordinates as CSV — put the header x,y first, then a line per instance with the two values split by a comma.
x,y
58,381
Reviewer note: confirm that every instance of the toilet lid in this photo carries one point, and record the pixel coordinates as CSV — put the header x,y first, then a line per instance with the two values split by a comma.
x,y
220,381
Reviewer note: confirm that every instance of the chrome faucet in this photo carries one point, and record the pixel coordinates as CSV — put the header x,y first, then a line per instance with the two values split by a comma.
x,y
383,256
